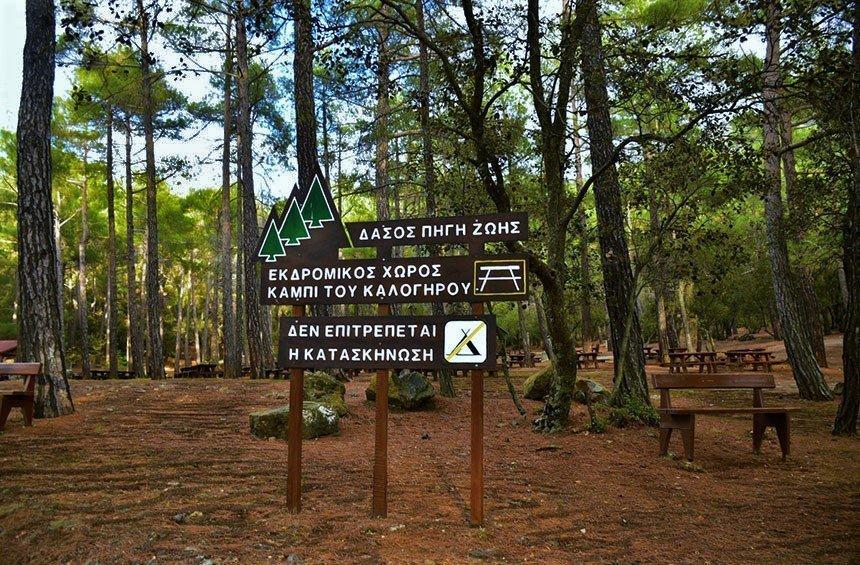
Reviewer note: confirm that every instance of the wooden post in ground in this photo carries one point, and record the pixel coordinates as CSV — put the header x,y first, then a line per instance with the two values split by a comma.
x,y
380,445
477,427
380,442
294,447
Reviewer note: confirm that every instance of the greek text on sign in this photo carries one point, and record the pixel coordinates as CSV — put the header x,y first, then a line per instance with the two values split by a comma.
x,y
403,280
455,229
388,342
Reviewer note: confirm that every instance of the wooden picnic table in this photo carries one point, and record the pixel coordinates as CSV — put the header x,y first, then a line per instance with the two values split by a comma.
x,y
520,359
755,357
586,358
200,370
104,374
680,361
8,348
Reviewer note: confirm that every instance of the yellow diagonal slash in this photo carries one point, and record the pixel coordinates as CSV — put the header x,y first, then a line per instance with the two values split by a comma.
x,y
463,343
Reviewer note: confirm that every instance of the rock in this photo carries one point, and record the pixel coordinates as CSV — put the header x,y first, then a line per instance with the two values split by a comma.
x,y
325,389
747,337
318,420
537,386
482,553
179,518
294,558
588,387
838,388
408,390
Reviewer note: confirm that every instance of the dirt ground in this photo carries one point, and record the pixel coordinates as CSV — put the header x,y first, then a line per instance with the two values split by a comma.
x,y
167,471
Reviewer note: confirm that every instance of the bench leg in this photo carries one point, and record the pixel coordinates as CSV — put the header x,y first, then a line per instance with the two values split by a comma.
x,y
27,409
665,435
686,424
5,408
759,426
688,437
782,423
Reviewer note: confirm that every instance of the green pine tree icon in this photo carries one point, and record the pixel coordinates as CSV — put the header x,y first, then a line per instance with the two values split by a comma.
x,y
316,210
293,229
272,246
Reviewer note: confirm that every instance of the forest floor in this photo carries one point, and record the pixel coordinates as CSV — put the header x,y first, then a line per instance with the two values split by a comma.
x,y
167,471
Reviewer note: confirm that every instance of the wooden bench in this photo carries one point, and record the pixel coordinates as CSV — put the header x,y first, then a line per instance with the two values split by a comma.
x,y
22,398
684,419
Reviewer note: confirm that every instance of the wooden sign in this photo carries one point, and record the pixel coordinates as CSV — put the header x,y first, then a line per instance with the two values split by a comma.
x,y
462,278
388,342
429,231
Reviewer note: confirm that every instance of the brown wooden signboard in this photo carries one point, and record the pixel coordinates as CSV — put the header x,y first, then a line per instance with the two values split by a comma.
x,y
300,265
463,278
430,231
388,342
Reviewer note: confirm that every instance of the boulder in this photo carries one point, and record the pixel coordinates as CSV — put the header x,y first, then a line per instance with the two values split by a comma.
x,y
537,386
325,389
586,388
838,388
317,420
408,390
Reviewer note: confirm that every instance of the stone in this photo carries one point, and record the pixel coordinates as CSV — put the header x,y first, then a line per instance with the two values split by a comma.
x,y
482,553
325,389
587,387
409,390
318,420
537,386
838,388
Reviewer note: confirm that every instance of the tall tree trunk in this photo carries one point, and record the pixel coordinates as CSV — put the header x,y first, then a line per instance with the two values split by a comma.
x,y
846,415
241,341
537,299
203,355
582,229
806,286
83,239
135,325
306,122
111,302
660,281
40,325
155,349
446,382
249,201
629,378
793,323
381,177
525,338
177,338
195,318
685,321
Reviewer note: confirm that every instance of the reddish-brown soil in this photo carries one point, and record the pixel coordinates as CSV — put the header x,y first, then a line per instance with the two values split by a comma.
x,y
106,483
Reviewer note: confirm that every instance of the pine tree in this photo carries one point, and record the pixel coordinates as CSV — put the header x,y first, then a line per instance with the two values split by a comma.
x,y
293,227
316,209
272,246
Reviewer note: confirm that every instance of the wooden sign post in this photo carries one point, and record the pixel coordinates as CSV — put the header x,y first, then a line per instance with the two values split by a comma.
x,y
299,252
294,434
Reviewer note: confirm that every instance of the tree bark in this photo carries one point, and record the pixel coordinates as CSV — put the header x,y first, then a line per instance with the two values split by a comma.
x,y
40,325
111,302
83,239
446,382
793,325
537,299
231,346
685,320
177,337
249,201
525,338
154,306
806,286
629,378
135,324
582,229
306,123
846,415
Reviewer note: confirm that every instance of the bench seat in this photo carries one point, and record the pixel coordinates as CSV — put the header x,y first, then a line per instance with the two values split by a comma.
x,y
709,410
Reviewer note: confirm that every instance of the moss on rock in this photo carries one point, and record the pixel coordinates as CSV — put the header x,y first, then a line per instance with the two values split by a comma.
x,y
318,419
